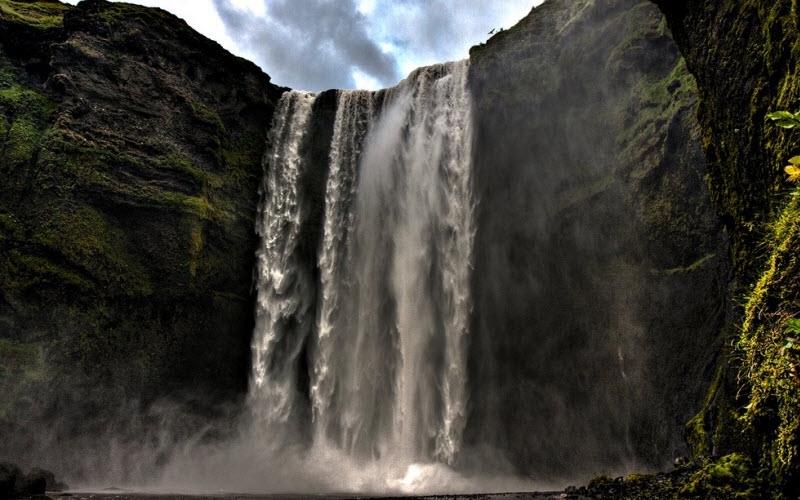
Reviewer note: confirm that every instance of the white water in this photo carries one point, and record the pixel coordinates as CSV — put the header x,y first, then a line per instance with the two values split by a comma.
x,y
284,307
359,378
387,321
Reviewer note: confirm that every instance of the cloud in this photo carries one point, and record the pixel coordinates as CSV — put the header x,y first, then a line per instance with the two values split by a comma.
x,y
432,31
321,44
316,45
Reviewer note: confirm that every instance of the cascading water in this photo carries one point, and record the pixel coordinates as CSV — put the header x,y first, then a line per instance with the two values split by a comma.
x,y
386,355
284,310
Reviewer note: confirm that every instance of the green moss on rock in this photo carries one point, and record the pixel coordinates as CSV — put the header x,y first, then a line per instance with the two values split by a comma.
x,y
746,58
42,14
770,367
21,366
126,222
730,476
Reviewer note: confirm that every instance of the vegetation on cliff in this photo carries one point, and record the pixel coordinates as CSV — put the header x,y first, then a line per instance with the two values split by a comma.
x,y
129,170
745,58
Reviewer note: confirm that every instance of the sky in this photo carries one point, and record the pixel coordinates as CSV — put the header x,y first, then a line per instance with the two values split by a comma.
x,y
316,45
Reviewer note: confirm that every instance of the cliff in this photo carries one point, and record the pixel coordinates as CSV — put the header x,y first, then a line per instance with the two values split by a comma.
x,y
601,268
745,57
130,169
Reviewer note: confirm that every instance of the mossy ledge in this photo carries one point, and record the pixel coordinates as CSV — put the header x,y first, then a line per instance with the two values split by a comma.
x,y
129,170
745,56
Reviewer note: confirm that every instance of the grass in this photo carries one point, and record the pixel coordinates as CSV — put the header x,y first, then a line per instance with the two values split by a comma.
x,y
39,14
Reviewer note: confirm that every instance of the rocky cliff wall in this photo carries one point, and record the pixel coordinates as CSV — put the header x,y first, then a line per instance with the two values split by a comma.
x,y
601,268
745,57
129,174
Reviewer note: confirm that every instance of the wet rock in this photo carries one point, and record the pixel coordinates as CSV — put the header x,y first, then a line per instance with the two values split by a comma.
x,y
30,484
51,484
8,476
15,484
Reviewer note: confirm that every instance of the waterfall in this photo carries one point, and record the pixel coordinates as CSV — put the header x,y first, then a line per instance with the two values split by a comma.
x,y
384,327
284,303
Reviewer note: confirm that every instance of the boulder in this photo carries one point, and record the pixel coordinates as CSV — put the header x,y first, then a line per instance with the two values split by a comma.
x,y
50,479
30,484
8,476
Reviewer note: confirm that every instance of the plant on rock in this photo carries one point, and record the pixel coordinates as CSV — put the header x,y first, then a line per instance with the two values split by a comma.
x,y
785,119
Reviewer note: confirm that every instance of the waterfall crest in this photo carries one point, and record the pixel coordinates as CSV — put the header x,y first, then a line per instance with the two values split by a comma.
x,y
384,326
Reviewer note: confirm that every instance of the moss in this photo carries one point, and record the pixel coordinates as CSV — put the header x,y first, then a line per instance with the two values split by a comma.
x,y
202,177
698,264
126,226
637,478
21,364
26,114
207,116
87,240
780,241
195,244
659,101
197,205
241,157
584,192
771,363
27,272
38,14
20,100
22,141
118,13
729,477
4,126
599,481
697,432
716,428
67,163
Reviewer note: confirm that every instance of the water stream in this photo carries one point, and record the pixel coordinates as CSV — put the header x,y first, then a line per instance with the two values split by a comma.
x,y
385,329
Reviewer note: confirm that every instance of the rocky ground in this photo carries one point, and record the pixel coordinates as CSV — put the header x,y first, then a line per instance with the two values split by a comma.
x,y
721,478
16,484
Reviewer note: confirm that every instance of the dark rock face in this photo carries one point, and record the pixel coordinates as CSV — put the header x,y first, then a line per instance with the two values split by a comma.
x,y
131,159
30,484
51,484
600,265
8,478
15,484
738,86
745,56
